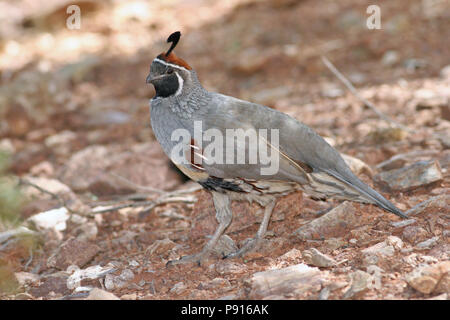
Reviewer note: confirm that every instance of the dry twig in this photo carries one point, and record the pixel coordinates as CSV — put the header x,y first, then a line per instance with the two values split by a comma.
x,y
352,89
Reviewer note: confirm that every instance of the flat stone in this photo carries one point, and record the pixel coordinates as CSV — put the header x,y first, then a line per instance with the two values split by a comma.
x,y
294,280
99,294
417,175
437,203
56,284
316,258
414,234
427,244
229,268
52,219
72,252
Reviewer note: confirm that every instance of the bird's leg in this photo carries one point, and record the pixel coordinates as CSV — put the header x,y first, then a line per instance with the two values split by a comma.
x,y
224,215
254,242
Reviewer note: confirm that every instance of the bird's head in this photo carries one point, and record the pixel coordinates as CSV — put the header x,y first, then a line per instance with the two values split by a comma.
x,y
168,73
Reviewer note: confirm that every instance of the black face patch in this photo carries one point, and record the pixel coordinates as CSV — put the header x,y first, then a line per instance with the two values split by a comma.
x,y
166,86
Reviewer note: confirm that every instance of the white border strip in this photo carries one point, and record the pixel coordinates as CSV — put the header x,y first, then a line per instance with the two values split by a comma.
x,y
170,64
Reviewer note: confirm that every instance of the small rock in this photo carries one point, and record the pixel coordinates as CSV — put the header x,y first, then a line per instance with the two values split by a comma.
x,y
324,293
360,283
52,219
438,203
72,252
387,248
413,64
178,288
336,222
445,72
93,272
376,273
51,185
6,146
133,263
427,243
126,275
334,243
428,279
54,283
291,255
390,58
403,223
414,234
60,143
131,296
216,283
43,169
294,280
99,294
87,231
109,282
228,267
419,174
316,258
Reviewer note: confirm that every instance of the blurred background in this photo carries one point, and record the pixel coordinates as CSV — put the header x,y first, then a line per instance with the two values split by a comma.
x,y
74,103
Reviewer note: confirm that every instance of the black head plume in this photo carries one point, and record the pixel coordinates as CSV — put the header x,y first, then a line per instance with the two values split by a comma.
x,y
174,38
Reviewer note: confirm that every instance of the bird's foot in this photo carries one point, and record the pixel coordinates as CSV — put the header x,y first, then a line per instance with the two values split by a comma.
x,y
251,244
197,258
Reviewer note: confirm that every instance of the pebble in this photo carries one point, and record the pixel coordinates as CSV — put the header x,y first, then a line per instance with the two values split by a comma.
x,y
295,280
431,279
418,174
427,243
99,294
178,288
359,283
316,258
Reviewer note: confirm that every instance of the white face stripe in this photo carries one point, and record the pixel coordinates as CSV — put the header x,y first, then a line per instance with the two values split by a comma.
x,y
180,84
170,64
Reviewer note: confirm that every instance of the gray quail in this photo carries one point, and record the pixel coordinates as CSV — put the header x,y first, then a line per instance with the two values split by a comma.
x,y
305,161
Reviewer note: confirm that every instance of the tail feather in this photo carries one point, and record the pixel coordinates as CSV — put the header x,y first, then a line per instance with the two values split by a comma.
x,y
368,193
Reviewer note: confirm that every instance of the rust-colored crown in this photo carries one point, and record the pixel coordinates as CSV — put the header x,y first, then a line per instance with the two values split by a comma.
x,y
173,59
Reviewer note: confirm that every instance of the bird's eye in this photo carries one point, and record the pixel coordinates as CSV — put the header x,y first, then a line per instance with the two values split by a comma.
x,y
169,71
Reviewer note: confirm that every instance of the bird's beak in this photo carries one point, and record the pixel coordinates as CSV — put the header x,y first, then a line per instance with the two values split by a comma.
x,y
151,78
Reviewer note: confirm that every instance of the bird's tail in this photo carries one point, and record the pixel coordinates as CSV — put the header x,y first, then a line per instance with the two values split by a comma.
x,y
367,193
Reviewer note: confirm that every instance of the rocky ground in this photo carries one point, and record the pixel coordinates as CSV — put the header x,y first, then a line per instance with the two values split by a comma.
x,y
103,208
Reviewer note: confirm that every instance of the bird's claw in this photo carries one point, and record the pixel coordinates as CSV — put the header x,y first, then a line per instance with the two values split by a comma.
x,y
197,258
250,245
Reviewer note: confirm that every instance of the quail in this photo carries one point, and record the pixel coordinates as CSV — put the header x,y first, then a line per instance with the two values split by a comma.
x,y
185,117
